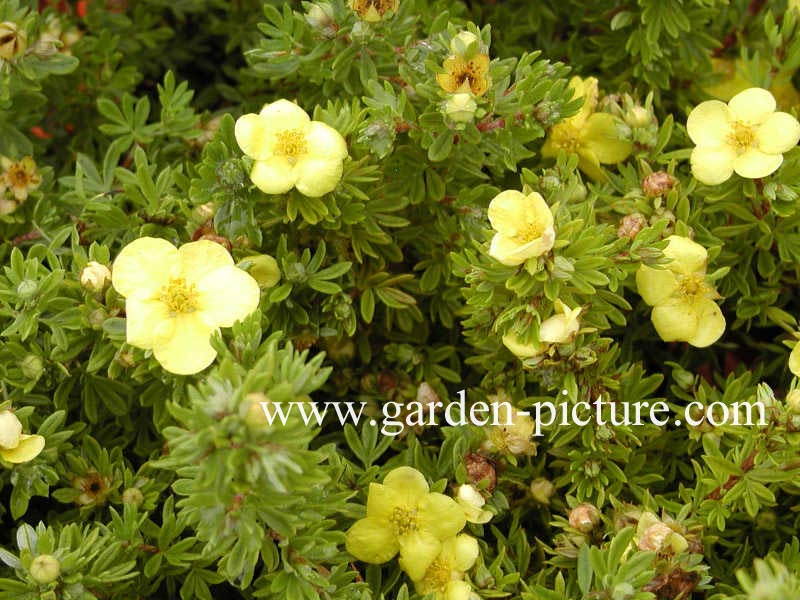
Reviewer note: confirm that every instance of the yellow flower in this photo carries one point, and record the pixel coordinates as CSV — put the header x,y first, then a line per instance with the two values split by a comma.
x,y
15,446
404,516
794,360
95,276
177,298
471,501
19,177
681,296
596,137
524,226
444,578
733,77
12,40
746,136
373,11
465,75
558,329
514,438
290,150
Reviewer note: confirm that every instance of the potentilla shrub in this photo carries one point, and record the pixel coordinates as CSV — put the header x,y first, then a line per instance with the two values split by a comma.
x,y
398,299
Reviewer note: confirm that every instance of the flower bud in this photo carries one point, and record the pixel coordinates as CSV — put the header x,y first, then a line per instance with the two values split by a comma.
x,y
630,225
45,569
460,43
471,501
661,538
793,401
95,277
27,289
10,430
133,496
320,15
479,468
263,268
542,490
202,213
657,184
461,107
638,116
32,366
13,42
584,517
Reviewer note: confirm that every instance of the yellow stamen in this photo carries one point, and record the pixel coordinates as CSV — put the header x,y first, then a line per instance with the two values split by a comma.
x,y
291,144
438,575
17,176
693,285
179,296
742,137
403,520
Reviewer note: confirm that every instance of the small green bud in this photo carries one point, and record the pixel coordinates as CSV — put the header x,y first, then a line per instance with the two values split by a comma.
x,y
133,496
97,317
32,366
263,268
203,213
95,277
638,116
27,289
793,401
45,569
542,490
461,107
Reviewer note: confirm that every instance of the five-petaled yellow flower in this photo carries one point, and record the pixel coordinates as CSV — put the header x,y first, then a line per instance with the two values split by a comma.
x,y
15,446
524,226
404,516
465,73
176,298
681,296
745,135
373,11
290,150
19,178
445,577
596,137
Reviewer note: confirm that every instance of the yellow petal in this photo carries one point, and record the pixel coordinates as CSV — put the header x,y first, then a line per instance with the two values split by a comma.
x,y
519,349
505,211
675,320
779,133
417,551
754,164
461,551
602,135
457,590
752,106
709,123
510,253
441,516
408,484
794,360
274,175
226,295
712,165
10,430
282,115
710,323
254,137
317,177
382,500
590,165
147,323
28,448
686,256
588,90
202,257
655,285
189,349
372,541
145,266
324,141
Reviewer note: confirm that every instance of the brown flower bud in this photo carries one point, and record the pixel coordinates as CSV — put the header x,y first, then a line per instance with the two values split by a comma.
x,y
584,517
630,225
479,468
657,184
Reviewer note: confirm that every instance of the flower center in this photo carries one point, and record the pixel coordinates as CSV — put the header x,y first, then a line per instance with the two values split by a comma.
x,y
565,136
403,520
693,285
530,229
17,176
179,296
742,137
437,576
381,6
291,144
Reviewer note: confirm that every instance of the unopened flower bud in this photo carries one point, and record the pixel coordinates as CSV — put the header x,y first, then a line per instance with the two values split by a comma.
x,y
630,225
263,268
460,43
471,501
461,107
661,538
202,213
542,490
657,184
793,401
27,289
45,569
320,15
133,496
584,517
255,417
95,277
13,42
96,318
638,116
479,468
32,366
10,430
